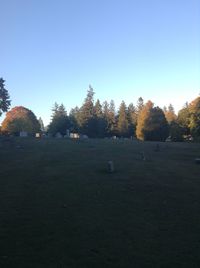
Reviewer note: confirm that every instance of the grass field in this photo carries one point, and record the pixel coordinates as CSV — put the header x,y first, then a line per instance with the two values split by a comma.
x,y
59,207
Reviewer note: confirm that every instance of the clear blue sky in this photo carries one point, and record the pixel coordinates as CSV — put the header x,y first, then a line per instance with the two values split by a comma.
x,y
52,50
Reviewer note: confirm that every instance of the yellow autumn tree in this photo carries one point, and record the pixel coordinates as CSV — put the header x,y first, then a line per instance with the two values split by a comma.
x,y
152,124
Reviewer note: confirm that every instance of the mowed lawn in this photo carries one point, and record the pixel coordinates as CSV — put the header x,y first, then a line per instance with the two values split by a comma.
x,y
59,207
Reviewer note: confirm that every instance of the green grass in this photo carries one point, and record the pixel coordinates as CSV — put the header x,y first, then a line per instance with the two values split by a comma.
x,y
61,208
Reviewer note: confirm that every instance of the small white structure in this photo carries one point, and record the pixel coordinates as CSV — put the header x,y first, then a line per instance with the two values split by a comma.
x,y
37,135
168,139
74,135
23,134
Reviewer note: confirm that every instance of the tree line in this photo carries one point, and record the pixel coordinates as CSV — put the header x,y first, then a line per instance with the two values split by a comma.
x,y
98,120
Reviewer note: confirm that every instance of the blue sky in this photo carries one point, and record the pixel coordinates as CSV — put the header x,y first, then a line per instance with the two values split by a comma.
x,y
52,50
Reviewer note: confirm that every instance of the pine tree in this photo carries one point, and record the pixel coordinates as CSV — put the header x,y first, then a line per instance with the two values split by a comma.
x,y
74,117
132,119
105,108
99,121
87,114
41,124
183,119
140,105
61,110
170,114
55,110
122,124
4,97
112,118
60,121
98,109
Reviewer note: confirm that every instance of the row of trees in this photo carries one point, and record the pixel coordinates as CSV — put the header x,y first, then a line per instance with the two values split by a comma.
x,y
143,120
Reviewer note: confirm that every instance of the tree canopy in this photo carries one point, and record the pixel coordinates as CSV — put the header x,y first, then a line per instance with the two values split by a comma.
x,y
152,124
19,119
59,120
99,120
4,97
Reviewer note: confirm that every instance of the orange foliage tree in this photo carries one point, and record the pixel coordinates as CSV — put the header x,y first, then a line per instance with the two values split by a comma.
x,y
152,124
20,119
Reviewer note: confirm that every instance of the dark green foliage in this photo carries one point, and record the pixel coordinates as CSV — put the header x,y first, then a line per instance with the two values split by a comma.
x,y
4,97
132,119
87,125
99,121
194,125
183,119
157,129
60,121
75,117
144,121
176,132
110,118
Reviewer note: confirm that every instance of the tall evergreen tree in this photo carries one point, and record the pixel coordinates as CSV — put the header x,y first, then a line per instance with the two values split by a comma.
x,y
132,119
60,121
4,97
170,114
99,121
98,109
105,108
183,119
55,110
41,124
140,105
122,124
87,114
74,117
111,119
61,110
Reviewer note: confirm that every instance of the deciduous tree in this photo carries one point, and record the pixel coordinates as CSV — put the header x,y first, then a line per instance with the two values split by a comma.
x,y
194,109
20,119
152,124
